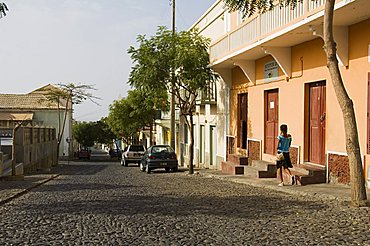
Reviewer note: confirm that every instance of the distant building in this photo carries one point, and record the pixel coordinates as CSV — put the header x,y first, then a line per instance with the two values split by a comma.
x,y
35,109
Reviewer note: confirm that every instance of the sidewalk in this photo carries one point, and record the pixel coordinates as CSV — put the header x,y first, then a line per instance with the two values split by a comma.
x,y
11,189
332,192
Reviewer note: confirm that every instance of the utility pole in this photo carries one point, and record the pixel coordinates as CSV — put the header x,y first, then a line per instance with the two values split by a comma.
x,y
172,126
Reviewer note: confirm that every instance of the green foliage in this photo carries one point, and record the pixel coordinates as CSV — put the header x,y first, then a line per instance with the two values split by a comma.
x,y
249,7
3,9
84,133
129,115
87,133
172,59
103,133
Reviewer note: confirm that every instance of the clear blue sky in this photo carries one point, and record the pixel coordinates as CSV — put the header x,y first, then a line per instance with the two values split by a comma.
x,y
81,41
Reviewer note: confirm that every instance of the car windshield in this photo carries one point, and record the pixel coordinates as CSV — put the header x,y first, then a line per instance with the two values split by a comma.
x,y
157,149
137,148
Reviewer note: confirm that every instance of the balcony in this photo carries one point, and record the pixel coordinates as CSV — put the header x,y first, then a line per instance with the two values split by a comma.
x,y
208,95
282,26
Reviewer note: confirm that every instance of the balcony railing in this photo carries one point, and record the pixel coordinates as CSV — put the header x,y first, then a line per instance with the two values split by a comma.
x,y
208,95
258,26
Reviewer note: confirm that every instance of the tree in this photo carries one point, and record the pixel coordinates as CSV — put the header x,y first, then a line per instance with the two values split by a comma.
x,y
177,62
103,133
3,9
84,133
89,133
357,178
128,115
66,95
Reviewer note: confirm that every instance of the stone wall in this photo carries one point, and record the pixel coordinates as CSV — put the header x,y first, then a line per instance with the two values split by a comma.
x,y
254,150
294,155
338,168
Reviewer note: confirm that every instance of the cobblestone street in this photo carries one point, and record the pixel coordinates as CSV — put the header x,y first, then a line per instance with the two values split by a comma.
x,y
107,204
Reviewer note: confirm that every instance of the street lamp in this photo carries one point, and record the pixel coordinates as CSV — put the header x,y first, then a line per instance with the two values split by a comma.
x,y
68,140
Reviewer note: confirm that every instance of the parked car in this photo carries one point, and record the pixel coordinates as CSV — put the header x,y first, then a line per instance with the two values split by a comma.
x,y
84,153
132,154
159,156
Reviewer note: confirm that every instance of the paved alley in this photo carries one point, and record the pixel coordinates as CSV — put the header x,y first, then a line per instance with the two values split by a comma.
x,y
107,204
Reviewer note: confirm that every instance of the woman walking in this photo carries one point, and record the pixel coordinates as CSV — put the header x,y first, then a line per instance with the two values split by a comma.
x,y
285,141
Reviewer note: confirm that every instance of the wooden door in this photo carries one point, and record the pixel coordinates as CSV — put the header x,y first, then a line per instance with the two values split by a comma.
x,y
212,142
317,122
243,116
368,115
202,144
271,121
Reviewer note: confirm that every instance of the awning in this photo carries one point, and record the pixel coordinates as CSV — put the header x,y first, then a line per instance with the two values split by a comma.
x,y
16,116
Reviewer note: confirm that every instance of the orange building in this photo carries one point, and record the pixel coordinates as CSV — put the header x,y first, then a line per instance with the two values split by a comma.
x,y
273,68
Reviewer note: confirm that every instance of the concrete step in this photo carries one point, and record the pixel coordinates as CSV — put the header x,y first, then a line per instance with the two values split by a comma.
x,y
8,171
232,168
304,174
309,169
238,159
7,164
315,177
265,169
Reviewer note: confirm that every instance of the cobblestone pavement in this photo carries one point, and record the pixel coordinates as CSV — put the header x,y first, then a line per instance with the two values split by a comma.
x,y
107,204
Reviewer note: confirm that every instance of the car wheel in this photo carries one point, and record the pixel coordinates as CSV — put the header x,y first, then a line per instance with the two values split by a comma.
x,y
175,169
147,169
167,169
142,168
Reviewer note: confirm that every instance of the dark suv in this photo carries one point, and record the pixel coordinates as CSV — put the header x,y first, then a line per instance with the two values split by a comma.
x,y
132,154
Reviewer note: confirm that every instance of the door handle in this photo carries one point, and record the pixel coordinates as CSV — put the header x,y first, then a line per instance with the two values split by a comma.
x,y
322,117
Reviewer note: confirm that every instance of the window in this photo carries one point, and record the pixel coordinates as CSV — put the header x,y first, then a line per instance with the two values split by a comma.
x,y
137,148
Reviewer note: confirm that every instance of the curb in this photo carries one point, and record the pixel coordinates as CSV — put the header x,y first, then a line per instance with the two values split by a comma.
x,y
25,191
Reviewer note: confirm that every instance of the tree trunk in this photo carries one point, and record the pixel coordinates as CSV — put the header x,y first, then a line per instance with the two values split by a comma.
x,y
191,145
150,135
61,130
14,160
13,152
357,178
58,111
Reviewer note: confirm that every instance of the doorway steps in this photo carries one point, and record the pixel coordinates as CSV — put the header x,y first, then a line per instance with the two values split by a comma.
x,y
304,173
309,174
235,164
264,169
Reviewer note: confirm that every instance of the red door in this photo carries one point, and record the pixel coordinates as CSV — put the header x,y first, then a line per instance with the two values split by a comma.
x,y
271,121
317,122
243,116
368,115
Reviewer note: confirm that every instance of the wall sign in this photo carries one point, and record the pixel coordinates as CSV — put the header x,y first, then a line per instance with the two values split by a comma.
x,y
271,70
